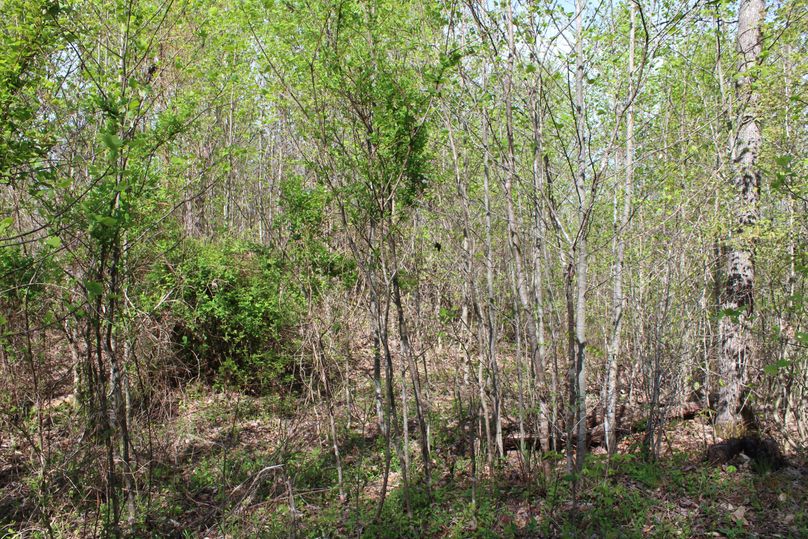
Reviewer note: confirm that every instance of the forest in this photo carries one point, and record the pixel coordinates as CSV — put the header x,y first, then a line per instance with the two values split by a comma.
x,y
403,268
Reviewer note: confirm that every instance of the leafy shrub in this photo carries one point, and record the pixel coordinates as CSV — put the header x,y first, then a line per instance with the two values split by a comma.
x,y
234,308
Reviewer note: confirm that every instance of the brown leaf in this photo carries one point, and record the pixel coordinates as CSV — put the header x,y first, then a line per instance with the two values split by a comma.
x,y
740,515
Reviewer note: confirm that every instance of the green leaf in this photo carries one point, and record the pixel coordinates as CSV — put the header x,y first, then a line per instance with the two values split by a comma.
x,y
784,161
773,368
5,224
112,141
734,314
53,242
94,289
106,221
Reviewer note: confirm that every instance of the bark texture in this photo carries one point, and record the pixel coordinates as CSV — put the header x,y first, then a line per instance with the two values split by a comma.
x,y
737,302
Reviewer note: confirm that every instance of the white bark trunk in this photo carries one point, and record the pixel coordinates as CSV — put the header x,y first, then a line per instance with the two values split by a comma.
x,y
618,301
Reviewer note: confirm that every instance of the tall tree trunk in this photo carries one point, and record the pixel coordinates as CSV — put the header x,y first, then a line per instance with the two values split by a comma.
x,y
519,375
547,413
420,412
489,279
469,297
513,235
578,378
618,301
737,302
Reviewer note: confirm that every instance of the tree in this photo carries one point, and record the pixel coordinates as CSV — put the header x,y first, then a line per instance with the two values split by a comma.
x,y
619,247
737,305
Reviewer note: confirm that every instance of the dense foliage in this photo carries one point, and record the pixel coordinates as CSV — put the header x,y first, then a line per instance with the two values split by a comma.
x,y
316,268
234,307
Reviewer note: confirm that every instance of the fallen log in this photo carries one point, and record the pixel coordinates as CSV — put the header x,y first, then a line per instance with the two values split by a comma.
x,y
628,422
763,451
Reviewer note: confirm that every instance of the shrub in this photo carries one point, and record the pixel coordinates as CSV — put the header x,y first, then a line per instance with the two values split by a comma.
x,y
234,307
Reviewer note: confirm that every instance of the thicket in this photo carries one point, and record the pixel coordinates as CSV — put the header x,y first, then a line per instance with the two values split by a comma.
x,y
355,266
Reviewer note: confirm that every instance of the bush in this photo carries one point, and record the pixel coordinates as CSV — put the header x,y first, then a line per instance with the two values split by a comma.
x,y
234,308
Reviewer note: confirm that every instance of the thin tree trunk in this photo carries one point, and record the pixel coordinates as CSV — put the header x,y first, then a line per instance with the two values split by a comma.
x,y
468,260
546,413
618,301
489,279
406,351
579,350
513,233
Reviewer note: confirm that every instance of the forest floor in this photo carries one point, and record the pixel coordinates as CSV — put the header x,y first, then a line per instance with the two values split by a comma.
x,y
226,463
678,495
